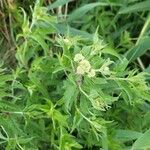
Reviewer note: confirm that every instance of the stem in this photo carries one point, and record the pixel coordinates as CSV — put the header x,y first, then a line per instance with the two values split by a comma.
x,y
5,25
66,10
140,36
88,120
85,94
141,63
8,112
59,11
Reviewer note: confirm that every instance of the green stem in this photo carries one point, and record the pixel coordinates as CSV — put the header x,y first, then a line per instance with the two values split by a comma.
x,y
145,27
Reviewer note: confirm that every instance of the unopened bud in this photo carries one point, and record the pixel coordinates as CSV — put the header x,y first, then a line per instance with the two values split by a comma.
x,y
80,70
78,57
91,73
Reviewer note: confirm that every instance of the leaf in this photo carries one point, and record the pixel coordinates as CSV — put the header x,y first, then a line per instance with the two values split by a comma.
x,y
35,80
147,70
56,115
121,65
120,30
141,6
143,142
68,142
39,38
76,120
58,3
69,95
4,78
105,140
127,135
126,91
2,137
67,30
4,94
138,50
78,13
111,51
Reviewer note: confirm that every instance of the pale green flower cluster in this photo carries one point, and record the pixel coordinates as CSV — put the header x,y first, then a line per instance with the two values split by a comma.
x,y
105,70
84,66
78,57
105,67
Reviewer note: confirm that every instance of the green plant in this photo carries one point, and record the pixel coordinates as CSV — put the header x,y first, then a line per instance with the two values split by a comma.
x,y
72,90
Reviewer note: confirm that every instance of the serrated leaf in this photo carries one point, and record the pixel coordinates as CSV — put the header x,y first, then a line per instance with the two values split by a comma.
x,y
69,95
126,91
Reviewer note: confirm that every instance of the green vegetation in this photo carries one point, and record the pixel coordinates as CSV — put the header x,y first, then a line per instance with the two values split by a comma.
x,y
75,75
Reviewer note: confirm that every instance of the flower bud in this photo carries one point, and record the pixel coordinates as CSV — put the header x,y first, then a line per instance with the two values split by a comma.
x,y
91,73
106,71
85,65
78,57
80,70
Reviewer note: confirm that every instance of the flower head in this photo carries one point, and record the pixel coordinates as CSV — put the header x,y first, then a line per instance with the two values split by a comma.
x,y
106,71
91,73
80,70
85,65
78,57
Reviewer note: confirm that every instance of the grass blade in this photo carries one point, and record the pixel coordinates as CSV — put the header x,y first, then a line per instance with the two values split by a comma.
x,y
139,49
141,6
78,13
57,4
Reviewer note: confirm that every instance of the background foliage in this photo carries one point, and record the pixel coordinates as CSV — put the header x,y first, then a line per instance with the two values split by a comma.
x,y
74,75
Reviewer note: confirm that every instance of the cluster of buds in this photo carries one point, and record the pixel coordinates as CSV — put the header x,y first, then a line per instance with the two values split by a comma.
x,y
105,67
105,70
84,66
67,42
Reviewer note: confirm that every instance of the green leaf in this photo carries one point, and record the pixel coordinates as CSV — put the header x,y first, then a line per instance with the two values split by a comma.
x,y
69,95
141,6
36,81
121,65
58,3
147,70
111,51
105,140
78,13
39,38
2,137
67,30
76,120
143,142
68,142
139,49
127,135
126,91
56,115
